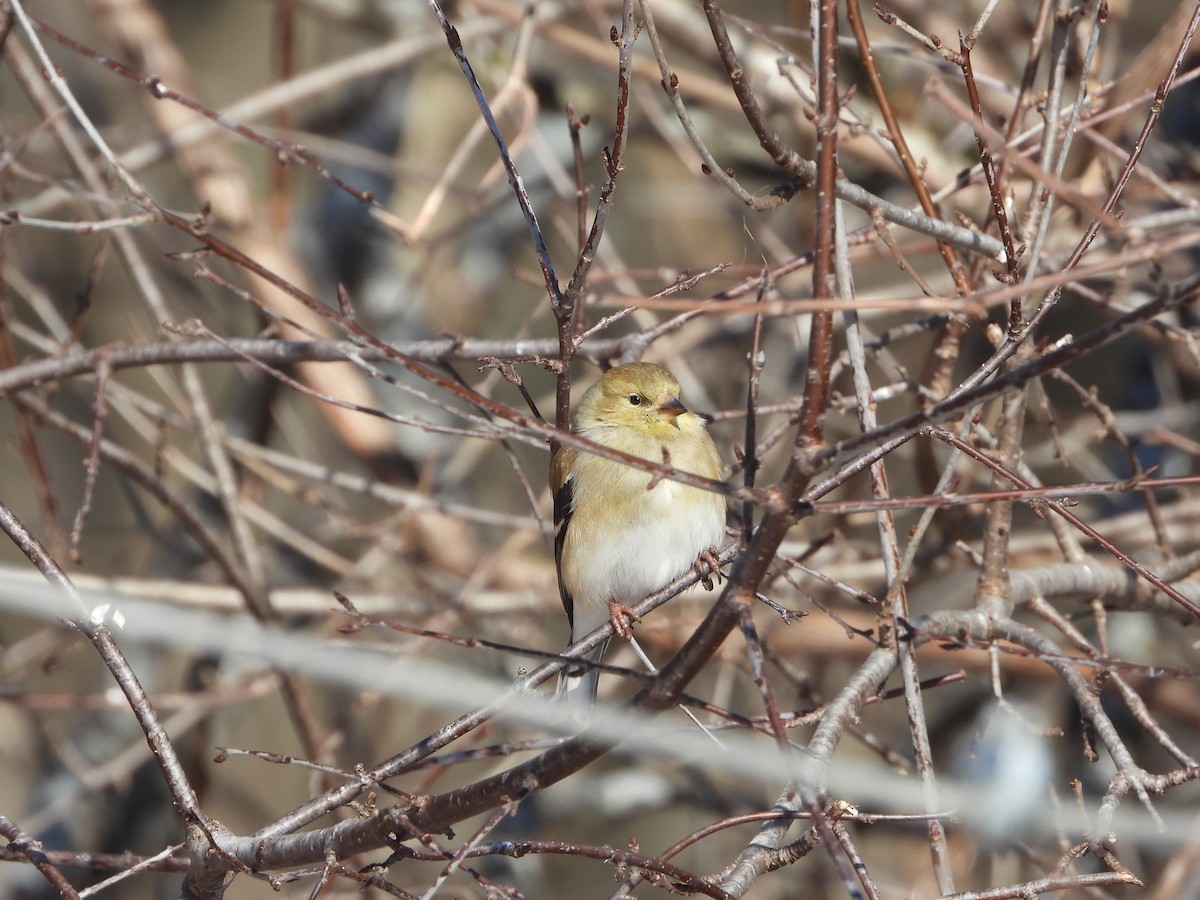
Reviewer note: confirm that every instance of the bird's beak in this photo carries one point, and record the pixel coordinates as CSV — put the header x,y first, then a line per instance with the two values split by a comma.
x,y
671,409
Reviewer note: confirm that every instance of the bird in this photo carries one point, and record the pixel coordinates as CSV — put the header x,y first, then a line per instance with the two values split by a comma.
x,y
622,533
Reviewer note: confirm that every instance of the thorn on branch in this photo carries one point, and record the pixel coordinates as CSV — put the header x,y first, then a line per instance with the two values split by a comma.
x,y
344,302
347,604
155,86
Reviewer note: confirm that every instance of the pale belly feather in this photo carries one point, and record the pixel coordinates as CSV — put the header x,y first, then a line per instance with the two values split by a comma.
x,y
651,545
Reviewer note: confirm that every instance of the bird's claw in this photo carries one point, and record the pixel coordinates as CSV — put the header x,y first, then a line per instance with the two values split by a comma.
x,y
622,618
708,567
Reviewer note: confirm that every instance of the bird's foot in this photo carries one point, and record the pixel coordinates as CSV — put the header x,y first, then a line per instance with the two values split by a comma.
x,y
622,618
708,567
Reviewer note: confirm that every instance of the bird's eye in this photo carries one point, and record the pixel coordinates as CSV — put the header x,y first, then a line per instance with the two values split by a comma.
x,y
635,399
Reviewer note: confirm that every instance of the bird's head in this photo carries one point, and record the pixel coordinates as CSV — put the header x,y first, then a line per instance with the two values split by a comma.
x,y
642,396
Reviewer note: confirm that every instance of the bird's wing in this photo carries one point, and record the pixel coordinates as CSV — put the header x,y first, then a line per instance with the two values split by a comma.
x,y
563,489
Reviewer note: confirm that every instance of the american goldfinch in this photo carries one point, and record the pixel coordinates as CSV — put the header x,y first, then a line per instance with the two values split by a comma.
x,y
622,533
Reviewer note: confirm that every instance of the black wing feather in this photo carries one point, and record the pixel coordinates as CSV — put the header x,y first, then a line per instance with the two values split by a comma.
x,y
564,508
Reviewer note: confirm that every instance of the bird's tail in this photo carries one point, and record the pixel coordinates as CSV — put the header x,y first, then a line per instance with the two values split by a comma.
x,y
577,685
